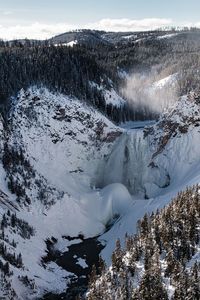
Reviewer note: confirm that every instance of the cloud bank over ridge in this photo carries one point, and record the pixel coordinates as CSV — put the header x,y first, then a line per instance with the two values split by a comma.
x,y
39,30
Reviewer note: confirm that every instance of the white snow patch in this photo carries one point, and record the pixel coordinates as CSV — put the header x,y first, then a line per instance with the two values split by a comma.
x,y
167,36
81,262
169,80
70,44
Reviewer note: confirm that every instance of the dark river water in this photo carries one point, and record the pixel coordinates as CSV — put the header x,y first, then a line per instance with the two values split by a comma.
x,y
87,249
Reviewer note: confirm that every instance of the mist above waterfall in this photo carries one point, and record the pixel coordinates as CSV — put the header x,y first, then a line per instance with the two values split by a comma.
x,y
153,92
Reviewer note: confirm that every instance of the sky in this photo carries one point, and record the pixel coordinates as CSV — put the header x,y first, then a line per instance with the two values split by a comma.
x,y
42,19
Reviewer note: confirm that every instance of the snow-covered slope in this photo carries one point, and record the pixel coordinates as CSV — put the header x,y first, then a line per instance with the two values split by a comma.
x,y
63,136
166,81
160,260
74,172
63,142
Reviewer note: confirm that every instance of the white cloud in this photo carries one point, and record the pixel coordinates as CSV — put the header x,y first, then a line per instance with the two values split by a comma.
x,y
33,31
130,25
43,31
196,24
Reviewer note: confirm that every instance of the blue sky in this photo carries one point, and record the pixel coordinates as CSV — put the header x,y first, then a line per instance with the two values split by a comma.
x,y
43,18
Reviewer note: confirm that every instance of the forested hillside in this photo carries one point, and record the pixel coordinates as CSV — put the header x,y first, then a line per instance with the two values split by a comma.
x,y
88,69
61,69
161,261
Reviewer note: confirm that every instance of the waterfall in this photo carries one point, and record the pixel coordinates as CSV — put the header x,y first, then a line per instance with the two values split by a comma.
x,y
129,164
